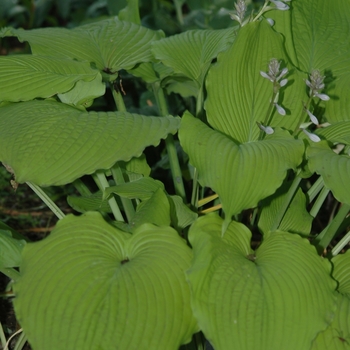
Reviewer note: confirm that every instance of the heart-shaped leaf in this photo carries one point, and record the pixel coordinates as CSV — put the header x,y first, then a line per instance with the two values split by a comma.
x,y
279,297
110,44
231,169
334,169
26,77
239,97
315,38
50,143
90,286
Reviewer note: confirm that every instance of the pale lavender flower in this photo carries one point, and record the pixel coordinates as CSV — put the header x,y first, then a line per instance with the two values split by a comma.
x,y
311,136
271,21
266,129
313,119
316,84
241,9
280,109
280,5
274,74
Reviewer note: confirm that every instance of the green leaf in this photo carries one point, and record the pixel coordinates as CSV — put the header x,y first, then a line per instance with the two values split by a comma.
x,y
296,219
316,38
191,53
137,166
84,93
88,203
337,335
337,132
98,287
142,189
231,169
110,44
239,97
155,210
280,297
334,169
10,250
49,143
27,77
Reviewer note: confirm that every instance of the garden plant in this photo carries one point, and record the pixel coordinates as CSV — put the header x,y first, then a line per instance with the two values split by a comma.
x,y
260,142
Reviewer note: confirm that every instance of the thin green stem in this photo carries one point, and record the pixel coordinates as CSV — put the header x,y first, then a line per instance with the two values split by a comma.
x,y
22,339
260,13
269,113
341,244
102,183
315,189
127,203
118,98
195,187
283,208
170,144
319,201
47,200
2,336
10,272
325,237
81,187
302,117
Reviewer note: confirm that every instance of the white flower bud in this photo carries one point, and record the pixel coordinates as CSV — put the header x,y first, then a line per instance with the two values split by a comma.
x,y
312,117
311,136
280,5
283,82
267,129
280,109
323,97
271,21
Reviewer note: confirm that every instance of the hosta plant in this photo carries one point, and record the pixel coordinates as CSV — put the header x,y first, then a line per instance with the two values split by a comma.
x,y
152,266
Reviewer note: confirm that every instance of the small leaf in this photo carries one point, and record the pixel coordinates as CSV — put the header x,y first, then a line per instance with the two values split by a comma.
x,y
10,250
26,77
334,169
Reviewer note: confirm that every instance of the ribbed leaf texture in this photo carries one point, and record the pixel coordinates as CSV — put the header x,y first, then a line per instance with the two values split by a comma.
x,y
278,297
50,143
91,286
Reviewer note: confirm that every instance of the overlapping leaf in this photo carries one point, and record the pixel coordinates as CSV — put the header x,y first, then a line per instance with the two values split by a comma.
x,y
49,143
102,287
279,297
296,219
192,52
244,174
109,44
26,77
334,169
337,335
238,96
316,37
10,250
337,132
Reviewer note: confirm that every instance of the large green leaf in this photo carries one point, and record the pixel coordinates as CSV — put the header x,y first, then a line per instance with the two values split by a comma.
x,y
317,37
337,335
279,297
27,77
244,174
192,52
49,143
238,96
334,169
337,132
110,44
91,286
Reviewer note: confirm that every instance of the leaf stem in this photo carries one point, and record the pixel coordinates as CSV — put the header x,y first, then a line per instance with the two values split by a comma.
x,y
283,208
102,183
127,203
341,244
10,272
170,145
47,200
326,236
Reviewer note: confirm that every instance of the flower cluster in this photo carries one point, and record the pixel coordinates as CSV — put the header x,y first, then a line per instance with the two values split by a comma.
x,y
241,9
275,75
315,84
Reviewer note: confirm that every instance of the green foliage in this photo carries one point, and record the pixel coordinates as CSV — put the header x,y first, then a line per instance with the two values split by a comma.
x,y
264,125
